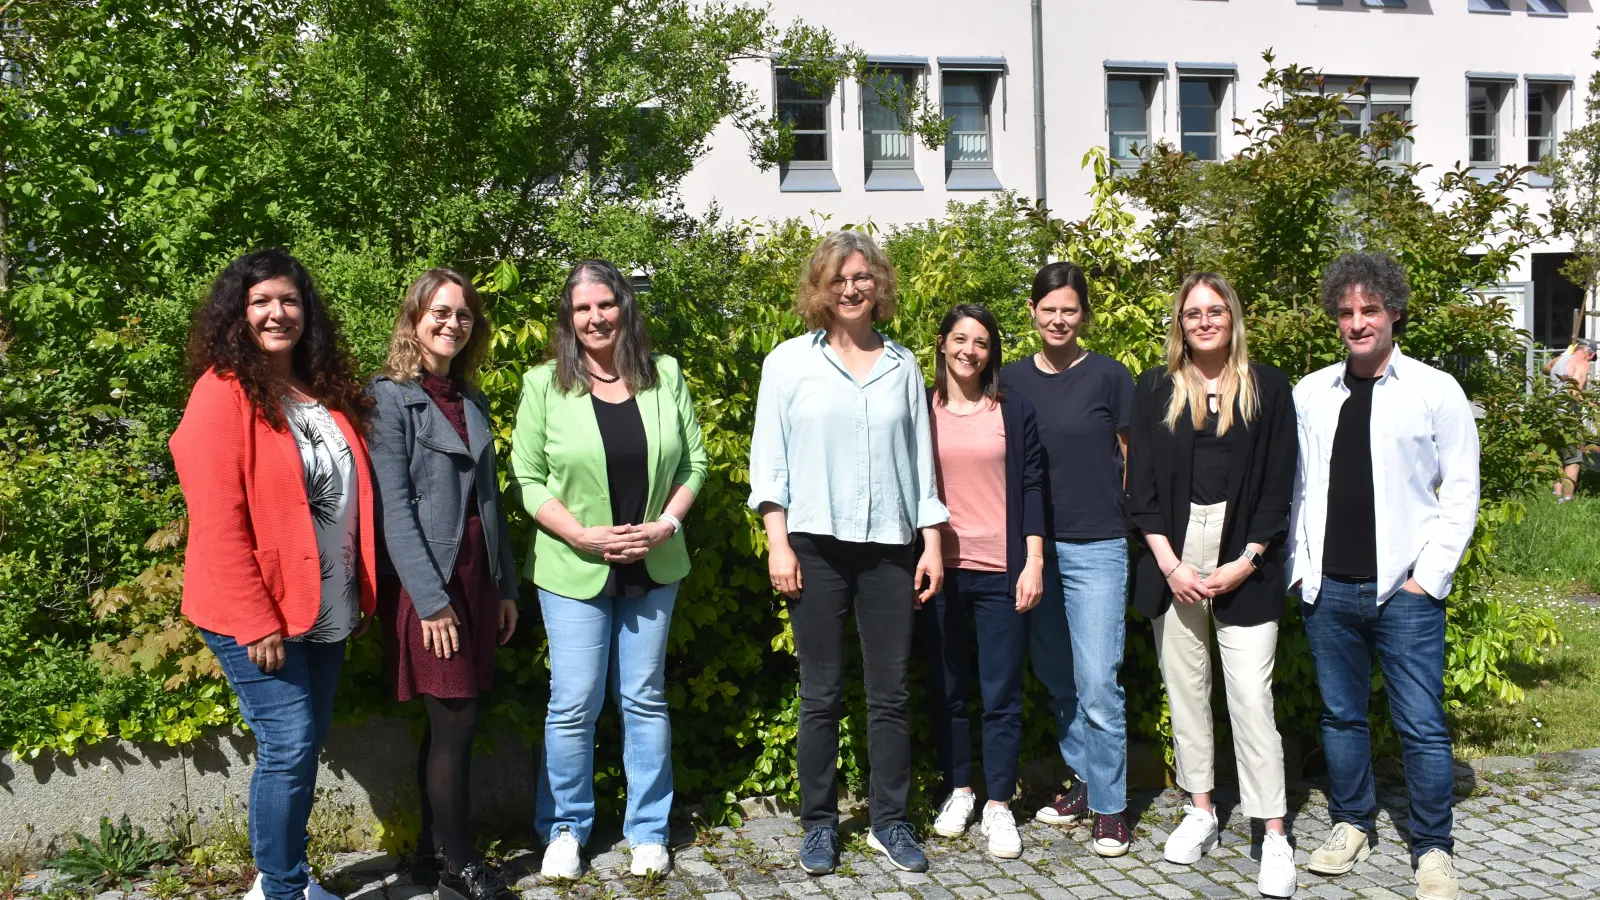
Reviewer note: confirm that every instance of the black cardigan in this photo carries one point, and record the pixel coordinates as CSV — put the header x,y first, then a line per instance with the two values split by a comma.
x,y
1025,487
1263,455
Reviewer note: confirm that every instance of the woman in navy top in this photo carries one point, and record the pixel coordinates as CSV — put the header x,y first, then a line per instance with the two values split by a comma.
x,y
1084,401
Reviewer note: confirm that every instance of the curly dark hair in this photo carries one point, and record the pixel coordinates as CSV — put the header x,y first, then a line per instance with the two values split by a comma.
x,y
220,339
1376,274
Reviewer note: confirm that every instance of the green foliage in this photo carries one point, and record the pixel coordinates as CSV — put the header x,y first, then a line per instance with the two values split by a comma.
x,y
122,854
149,142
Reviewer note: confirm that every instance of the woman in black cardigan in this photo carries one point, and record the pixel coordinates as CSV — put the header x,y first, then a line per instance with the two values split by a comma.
x,y
991,477
1211,460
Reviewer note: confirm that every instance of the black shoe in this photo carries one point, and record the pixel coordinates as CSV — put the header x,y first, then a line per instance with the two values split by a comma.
x,y
898,842
475,881
819,855
424,867
1111,836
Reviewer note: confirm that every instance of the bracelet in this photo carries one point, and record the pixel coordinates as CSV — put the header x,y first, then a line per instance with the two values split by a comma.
x,y
674,521
1168,573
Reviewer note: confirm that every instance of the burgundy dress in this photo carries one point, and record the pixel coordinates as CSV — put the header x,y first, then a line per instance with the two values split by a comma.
x,y
414,669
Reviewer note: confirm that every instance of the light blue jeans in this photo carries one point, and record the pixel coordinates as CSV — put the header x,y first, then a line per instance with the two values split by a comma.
x,y
621,641
1084,613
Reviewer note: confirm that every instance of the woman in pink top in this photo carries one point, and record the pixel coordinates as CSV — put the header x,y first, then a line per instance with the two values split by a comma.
x,y
991,477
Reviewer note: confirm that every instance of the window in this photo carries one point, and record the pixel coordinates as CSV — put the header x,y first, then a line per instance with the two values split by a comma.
x,y
1366,100
1488,6
1483,122
1128,112
884,93
806,113
1199,115
969,151
1544,101
1385,4
1546,8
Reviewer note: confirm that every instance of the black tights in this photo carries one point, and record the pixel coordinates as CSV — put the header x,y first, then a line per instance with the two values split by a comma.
x,y
443,777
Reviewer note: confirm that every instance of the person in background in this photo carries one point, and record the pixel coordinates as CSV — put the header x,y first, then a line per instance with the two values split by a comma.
x,y
842,473
1083,401
607,455
1211,459
281,565
1385,504
447,587
991,479
1570,370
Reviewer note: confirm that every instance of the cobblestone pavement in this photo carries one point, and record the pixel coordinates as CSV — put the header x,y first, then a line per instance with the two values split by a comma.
x,y
1524,829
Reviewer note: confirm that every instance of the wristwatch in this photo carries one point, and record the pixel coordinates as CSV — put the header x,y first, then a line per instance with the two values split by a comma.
x,y
1251,557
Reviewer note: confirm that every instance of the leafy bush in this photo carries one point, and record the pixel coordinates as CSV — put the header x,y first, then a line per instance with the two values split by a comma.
x,y
147,148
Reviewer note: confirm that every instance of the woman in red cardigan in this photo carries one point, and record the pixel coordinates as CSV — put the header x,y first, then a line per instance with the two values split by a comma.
x,y
280,567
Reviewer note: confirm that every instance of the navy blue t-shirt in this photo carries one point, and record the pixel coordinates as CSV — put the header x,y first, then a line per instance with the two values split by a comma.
x,y
1079,412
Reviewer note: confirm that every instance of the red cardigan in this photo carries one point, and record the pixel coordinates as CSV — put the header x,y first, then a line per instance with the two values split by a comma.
x,y
251,566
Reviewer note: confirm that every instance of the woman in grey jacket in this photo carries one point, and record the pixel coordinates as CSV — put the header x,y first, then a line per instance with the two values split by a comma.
x,y
447,584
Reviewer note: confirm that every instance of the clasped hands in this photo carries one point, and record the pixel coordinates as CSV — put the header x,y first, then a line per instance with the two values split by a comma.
x,y
1188,587
622,543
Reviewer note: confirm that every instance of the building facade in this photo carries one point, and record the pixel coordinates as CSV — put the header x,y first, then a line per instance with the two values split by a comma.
x,y
1485,83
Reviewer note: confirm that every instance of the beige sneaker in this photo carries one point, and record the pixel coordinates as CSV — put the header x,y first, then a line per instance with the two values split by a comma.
x,y
1436,877
1345,847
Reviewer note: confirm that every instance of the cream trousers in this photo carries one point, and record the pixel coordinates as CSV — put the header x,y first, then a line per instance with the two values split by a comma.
x,y
1183,647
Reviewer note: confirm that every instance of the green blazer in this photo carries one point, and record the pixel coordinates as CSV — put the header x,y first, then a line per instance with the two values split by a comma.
x,y
556,452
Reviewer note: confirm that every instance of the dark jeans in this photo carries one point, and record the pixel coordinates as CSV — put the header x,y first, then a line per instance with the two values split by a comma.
x,y
1346,628
289,712
876,579
946,624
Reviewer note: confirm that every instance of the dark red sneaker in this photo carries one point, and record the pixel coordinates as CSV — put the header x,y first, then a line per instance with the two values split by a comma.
x,y
1068,808
1110,834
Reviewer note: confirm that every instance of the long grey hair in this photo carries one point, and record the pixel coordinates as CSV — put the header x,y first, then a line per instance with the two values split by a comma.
x,y
633,362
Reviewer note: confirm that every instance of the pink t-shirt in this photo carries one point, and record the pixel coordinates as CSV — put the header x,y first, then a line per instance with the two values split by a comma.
x,y
971,453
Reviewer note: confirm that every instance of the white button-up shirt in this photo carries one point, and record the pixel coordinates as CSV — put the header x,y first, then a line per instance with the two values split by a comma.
x,y
854,461
1424,475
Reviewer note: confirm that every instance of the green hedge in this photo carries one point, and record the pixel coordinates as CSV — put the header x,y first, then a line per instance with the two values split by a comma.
x,y
125,197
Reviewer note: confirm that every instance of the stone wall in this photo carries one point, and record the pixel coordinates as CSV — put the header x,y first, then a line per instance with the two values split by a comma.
x,y
370,768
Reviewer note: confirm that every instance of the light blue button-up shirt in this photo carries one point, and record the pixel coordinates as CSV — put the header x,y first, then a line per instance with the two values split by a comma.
x,y
854,461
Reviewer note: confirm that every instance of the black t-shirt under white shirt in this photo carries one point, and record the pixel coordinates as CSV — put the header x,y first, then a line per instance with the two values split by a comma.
x,y
1079,411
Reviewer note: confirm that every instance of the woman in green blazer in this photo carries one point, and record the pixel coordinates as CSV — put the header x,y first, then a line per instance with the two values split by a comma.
x,y
607,456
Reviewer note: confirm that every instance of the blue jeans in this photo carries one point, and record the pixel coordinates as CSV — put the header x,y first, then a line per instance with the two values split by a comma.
x,y
983,602
1076,642
289,711
1346,627
621,641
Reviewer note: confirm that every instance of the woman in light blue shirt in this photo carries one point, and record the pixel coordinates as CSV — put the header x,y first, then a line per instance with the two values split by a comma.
x,y
841,470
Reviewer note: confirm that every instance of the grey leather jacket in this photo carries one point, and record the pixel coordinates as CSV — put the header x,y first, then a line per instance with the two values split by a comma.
x,y
424,475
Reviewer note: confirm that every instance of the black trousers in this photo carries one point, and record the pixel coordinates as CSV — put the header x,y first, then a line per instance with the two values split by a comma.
x,y
876,579
986,600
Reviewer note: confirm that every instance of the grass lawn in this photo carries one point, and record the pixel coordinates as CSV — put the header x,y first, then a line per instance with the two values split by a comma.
x,y
1551,559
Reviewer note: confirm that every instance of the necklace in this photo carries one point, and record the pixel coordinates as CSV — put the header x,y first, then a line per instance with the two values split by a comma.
x,y
1049,367
603,380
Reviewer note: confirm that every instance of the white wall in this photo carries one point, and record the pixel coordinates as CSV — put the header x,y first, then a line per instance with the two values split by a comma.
x,y
1435,42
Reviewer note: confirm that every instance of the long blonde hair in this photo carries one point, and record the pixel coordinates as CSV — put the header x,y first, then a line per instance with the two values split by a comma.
x,y
1238,384
404,362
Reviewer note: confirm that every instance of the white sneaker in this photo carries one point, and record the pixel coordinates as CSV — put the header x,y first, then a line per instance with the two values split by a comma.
x,y
1001,829
1436,877
1277,875
313,891
955,814
650,859
561,857
1194,837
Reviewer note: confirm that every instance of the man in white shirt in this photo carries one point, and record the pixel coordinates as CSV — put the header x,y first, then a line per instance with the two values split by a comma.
x,y
1385,503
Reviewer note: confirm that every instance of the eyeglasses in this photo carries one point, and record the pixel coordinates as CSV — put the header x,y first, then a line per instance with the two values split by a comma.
x,y
861,281
443,314
1194,317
